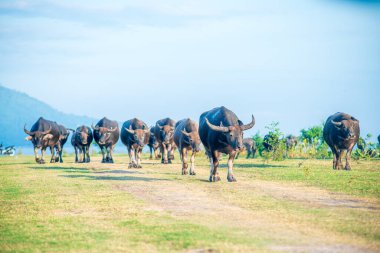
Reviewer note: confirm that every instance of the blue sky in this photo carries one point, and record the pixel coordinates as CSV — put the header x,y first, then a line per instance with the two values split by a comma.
x,y
296,62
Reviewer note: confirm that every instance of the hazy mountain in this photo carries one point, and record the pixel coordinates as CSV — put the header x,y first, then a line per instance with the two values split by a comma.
x,y
17,109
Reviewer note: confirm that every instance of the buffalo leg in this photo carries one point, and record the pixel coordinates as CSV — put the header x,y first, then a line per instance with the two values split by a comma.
x,y
131,153
237,155
339,165
170,153
183,152
138,157
88,154
230,163
253,153
214,175
109,153
76,154
60,152
348,157
164,152
36,155
84,154
335,152
53,158
151,153
249,153
104,160
192,166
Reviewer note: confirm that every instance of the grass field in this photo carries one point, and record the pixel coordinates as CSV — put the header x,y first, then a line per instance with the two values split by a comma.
x,y
289,206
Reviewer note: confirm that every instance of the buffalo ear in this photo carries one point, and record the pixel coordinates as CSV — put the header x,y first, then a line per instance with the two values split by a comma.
x,y
28,138
48,137
240,122
354,119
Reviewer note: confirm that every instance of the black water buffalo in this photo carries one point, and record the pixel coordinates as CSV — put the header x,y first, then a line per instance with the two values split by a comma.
x,y
220,130
63,136
270,141
341,132
135,135
44,133
378,139
153,145
250,146
164,131
186,138
81,140
291,141
106,134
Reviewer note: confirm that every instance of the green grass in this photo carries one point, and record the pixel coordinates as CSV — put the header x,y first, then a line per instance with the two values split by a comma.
x,y
85,207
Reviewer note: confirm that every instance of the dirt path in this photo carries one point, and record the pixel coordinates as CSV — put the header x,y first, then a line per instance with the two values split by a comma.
x,y
187,201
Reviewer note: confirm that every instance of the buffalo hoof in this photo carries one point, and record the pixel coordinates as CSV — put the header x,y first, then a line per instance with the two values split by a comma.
x,y
38,160
56,159
339,167
130,166
158,157
52,161
170,161
162,161
110,160
214,178
41,161
192,173
184,172
139,166
231,179
347,168
104,161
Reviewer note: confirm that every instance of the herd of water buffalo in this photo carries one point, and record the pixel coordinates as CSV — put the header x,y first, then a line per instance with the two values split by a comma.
x,y
219,130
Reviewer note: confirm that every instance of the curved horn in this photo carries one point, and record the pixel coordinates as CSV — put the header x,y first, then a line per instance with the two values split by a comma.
x,y
27,131
47,131
94,127
250,125
69,129
337,124
184,132
217,128
129,130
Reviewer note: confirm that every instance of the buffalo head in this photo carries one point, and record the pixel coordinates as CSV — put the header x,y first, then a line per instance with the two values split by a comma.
x,y
346,128
82,134
38,138
104,133
137,136
192,139
166,133
233,134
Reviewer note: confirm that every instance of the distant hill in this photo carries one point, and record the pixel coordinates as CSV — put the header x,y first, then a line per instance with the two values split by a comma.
x,y
17,109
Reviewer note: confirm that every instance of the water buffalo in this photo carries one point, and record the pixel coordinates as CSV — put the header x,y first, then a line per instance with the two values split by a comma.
x,y
250,146
341,132
153,145
63,136
81,140
106,134
186,138
164,132
135,135
44,133
291,141
220,130
270,142
378,139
